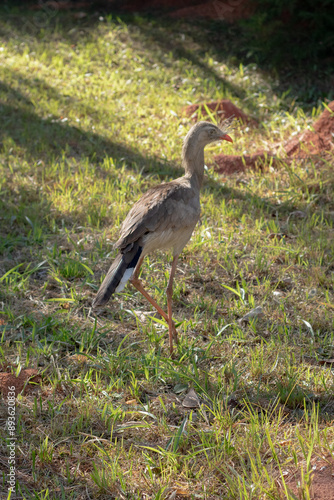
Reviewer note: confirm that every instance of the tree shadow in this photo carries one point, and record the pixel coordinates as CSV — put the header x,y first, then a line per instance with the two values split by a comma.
x,y
158,36
44,138
299,70
41,140
155,41
288,43
50,137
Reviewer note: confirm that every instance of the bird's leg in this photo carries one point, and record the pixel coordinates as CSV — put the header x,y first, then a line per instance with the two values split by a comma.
x,y
171,326
136,282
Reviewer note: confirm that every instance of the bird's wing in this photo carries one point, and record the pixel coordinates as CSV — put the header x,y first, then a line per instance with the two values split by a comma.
x,y
171,205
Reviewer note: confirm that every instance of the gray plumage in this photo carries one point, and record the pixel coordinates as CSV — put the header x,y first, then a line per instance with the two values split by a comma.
x,y
165,216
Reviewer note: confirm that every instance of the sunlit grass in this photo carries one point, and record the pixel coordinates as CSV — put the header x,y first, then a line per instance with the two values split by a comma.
x,y
91,117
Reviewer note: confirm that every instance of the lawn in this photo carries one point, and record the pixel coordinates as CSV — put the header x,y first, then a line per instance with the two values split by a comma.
x,y
91,116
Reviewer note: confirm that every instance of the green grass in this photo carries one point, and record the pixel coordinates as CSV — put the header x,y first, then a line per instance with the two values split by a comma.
x,y
91,116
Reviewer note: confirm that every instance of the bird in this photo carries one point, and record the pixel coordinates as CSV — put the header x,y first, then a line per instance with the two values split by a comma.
x,y
163,218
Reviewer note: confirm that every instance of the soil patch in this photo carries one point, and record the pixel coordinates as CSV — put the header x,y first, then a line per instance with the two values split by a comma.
x,y
322,482
227,10
231,164
220,109
314,142
8,380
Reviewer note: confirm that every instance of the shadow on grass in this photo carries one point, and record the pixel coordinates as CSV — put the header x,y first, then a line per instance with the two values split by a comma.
x,y
43,141
305,71
301,64
51,138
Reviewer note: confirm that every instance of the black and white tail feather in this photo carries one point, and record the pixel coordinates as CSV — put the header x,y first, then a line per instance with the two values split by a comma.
x,y
119,273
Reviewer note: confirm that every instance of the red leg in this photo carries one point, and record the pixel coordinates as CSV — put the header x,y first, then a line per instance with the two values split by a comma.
x,y
136,282
172,329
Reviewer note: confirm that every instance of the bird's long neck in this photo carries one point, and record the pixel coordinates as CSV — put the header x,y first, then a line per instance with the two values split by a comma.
x,y
193,158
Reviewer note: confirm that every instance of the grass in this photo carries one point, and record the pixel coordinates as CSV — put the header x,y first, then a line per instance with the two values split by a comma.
x,y
90,118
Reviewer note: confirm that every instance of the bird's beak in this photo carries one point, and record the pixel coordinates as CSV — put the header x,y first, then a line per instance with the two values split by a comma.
x,y
226,137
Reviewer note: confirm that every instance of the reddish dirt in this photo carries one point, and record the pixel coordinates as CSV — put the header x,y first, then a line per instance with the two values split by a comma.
x,y
221,109
313,143
307,143
227,10
7,380
230,164
322,483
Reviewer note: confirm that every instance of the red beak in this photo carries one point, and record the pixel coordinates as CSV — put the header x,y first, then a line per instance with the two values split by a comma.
x,y
226,138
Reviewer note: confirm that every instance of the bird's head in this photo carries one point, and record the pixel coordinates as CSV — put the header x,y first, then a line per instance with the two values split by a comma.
x,y
198,137
207,132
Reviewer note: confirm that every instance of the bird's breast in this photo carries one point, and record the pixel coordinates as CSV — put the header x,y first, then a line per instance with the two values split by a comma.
x,y
169,238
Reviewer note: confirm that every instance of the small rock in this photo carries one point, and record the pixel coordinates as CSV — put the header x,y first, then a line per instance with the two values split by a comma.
x,y
254,313
312,293
191,400
283,282
297,214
